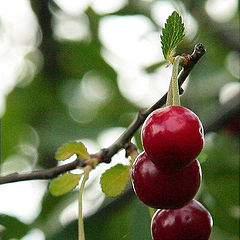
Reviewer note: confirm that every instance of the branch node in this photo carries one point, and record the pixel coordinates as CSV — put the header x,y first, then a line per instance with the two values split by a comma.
x,y
103,156
82,163
129,148
186,59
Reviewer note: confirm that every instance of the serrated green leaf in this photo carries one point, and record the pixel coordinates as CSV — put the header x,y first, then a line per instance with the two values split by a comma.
x,y
68,149
202,157
115,180
64,183
172,34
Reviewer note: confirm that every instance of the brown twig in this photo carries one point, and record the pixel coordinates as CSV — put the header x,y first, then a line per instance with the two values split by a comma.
x,y
41,174
105,155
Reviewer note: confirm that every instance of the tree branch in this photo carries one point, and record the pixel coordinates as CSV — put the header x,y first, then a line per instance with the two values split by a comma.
x,y
41,174
105,155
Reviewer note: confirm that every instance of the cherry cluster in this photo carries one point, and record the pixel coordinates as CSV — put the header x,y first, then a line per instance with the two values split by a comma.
x,y
167,175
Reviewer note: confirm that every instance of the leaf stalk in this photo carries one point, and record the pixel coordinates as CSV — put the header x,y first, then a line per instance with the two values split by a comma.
x,y
173,97
81,235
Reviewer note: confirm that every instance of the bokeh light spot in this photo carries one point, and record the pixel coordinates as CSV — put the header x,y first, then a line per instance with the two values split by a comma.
x,y
160,11
232,64
123,36
22,199
221,11
86,96
73,7
107,6
67,27
35,234
228,91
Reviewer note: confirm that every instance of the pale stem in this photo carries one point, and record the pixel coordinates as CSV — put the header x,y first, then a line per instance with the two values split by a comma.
x,y
81,235
133,156
173,98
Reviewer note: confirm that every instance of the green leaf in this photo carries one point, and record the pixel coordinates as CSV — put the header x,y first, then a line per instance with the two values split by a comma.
x,y
68,149
13,228
115,180
202,157
172,34
64,183
152,68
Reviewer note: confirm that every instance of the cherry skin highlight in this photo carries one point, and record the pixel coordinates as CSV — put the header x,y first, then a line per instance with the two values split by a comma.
x,y
161,189
172,137
191,222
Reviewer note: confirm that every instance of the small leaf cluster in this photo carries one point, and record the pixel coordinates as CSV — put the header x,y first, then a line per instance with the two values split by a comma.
x,y
66,182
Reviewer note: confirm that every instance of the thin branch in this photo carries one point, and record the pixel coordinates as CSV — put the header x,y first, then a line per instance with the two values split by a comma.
x,y
41,174
105,155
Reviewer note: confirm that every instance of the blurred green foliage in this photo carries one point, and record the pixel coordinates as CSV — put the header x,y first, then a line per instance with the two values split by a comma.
x,y
42,105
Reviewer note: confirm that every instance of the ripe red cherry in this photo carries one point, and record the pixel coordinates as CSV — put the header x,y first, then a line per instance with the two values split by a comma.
x,y
161,189
191,222
172,137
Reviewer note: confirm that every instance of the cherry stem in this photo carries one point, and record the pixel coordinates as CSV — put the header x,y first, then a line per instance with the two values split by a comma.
x,y
173,97
81,235
133,156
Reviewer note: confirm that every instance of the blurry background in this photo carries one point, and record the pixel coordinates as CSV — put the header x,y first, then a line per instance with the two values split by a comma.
x,y
80,70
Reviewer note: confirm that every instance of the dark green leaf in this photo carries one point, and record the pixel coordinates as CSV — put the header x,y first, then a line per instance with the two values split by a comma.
x,y
13,228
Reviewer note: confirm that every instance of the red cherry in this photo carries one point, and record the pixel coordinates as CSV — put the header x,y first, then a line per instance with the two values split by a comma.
x,y
172,137
191,222
161,189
